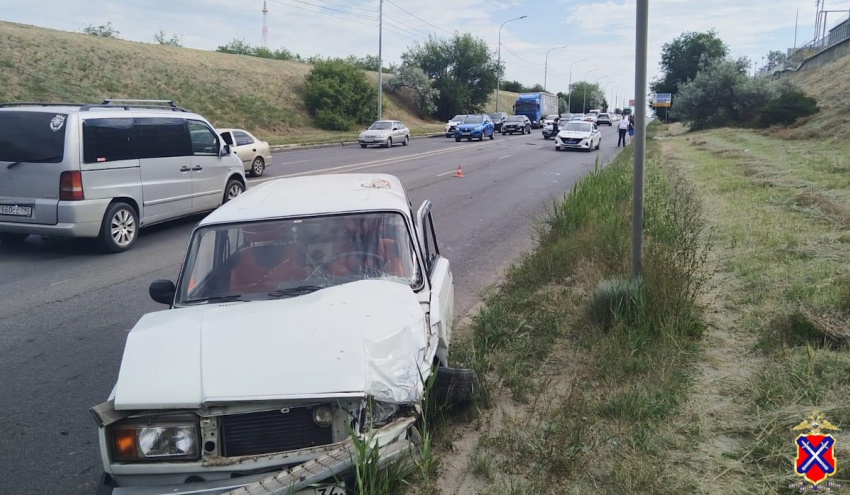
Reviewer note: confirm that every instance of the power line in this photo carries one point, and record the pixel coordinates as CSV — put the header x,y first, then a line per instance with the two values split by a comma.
x,y
517,56
402,32
418,18
371,11
323,13
423,33
353,14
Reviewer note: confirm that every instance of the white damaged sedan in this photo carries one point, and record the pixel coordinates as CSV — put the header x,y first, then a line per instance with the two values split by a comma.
x,y
579,135
307,310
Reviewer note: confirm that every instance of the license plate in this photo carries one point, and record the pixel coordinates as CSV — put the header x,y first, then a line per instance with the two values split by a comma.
x,y
465,132
16,211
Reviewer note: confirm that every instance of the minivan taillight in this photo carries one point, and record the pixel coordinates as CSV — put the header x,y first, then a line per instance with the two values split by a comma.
x,y
71,186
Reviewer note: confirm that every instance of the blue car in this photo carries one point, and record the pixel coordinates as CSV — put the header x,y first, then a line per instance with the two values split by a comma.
x,y
475,127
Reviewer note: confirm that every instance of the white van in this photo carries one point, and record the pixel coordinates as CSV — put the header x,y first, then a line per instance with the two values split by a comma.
x,y
104,171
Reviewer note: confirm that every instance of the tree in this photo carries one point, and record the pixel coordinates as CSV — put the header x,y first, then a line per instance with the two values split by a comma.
x,y
161,38
790,104
775,58
537,88
339,96
586,96
683,57
604,105
103,31
512,86
462,70
414,79
236,47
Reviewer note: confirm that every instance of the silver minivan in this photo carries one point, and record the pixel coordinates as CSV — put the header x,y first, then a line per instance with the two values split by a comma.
x,y
104,171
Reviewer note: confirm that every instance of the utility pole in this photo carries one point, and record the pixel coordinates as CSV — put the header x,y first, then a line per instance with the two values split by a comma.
x,y
499,59
796,21
570,87
546,70
642,24
380,62
265,25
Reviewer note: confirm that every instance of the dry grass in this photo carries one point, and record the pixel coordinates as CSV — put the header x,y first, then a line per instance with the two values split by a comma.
x,y
264,96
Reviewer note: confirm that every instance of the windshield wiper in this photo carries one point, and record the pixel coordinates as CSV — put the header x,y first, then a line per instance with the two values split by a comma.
x,y
37,160
295,291
216,299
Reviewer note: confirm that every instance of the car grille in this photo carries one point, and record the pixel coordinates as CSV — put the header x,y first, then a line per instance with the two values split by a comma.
x,y
572,141
272,431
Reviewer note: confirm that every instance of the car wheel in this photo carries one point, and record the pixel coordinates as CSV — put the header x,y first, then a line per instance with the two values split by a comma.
x,y
9,238
362,145
406,141
389,143
546,138
599,144
492,135
234,188
457,139
119,229
258,167
504,133
529,130
453,386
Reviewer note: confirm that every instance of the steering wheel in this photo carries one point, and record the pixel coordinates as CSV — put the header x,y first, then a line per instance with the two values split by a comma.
x,y
322,269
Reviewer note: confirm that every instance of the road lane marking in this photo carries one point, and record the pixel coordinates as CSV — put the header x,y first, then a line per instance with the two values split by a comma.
x,y
293,163
60,282
371,164
446,173
503,157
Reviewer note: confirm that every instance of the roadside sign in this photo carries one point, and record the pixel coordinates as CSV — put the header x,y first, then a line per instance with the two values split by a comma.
x,y
662,100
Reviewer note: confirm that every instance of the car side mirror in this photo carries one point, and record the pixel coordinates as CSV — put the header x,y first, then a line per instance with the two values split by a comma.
x,y
162,291
225,150
395,128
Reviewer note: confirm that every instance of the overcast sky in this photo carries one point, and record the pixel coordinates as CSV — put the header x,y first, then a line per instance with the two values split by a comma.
x,y
601,31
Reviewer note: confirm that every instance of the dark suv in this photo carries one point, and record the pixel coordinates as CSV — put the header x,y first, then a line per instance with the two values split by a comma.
x,y
498,119
516,123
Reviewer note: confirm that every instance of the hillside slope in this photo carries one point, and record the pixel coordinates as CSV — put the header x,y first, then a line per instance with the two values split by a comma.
x,y
830,85
261,95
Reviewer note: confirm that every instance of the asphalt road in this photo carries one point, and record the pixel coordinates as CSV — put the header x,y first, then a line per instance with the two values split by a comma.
x,y
65,308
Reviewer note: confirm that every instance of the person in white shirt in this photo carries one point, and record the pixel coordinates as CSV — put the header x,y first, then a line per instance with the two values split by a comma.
x,y
622,129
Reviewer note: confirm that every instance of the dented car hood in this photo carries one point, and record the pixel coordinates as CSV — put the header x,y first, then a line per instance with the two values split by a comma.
x,y
357,339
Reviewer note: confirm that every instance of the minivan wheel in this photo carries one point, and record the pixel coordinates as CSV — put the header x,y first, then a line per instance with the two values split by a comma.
x,y
10,238
234,188
258,167
120,228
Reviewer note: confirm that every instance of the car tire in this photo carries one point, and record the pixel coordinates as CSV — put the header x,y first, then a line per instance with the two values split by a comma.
x,y
546,138
389,143
504,133
258,166
457,139
599,144
406,141
119,229
234,188
453,386
529,130
10,238
492,135
362,145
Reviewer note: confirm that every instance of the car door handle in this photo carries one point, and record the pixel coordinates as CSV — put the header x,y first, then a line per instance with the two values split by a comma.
x,y
184,169
254,150
197,168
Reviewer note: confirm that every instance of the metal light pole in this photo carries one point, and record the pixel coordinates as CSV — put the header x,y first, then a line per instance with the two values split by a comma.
x,y
597,84
583,110
570,87
546,70
380,63
499,62
639,141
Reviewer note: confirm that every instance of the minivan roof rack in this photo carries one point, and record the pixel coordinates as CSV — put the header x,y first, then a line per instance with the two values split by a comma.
x,y
128,104
39,104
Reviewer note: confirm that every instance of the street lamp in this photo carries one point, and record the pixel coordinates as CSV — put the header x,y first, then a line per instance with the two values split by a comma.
x,y
597,84
570,87
499,62
546,70
583,110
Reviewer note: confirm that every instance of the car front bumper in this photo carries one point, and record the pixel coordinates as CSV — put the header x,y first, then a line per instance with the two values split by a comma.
x,y
583,144
207,488
372,140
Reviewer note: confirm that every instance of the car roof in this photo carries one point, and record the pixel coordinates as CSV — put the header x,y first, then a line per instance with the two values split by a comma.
x,y
231,129
313,195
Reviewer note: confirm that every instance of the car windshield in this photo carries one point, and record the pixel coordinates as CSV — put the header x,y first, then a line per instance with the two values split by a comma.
x,y
458,118
526,106
603,115
380,126
474,119
35,137
295,256
577,127
515,119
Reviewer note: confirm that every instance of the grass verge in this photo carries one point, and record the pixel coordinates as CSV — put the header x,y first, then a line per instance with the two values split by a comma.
x,y
594,364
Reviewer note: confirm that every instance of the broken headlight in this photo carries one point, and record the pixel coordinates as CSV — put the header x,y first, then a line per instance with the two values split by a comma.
x,y
155,442
380,412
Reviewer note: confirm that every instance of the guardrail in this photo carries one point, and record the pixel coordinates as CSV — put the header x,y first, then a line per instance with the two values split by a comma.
x,y
838,34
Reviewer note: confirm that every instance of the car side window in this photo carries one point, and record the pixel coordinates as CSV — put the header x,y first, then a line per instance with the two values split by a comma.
x,y
161,137
108,140
204,140
432,250
227,138
242,139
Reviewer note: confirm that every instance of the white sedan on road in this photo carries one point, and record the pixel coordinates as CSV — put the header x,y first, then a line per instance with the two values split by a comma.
x,y
578,135
254,154
385,133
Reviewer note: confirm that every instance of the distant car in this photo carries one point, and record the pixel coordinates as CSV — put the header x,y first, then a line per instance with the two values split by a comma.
x,y
566,117
603,119
254,154
547,120
577,117
499,118
452,124
579,135
550,130
590,118
517,123
475,126
385,133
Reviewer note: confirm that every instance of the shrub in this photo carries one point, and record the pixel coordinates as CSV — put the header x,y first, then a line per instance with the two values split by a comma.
x,y
102,31
790,104
339,96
